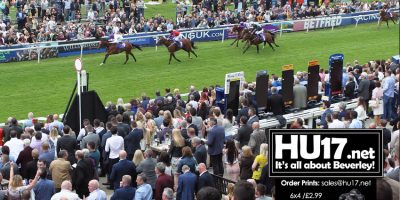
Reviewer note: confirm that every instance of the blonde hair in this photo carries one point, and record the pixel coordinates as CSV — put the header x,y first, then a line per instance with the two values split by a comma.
x,y
177,138
138,157
16,182
230,189
247,151
150,131
54,133
264,149
139,117
177,113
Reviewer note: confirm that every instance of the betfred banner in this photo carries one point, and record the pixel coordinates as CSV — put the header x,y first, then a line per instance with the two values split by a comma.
x,y
317,23
325,164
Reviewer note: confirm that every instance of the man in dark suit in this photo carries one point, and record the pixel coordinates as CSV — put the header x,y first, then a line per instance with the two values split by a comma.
x,y
244,132
244,111
82,174
275,103
205,178
200,152
363,87
186,184
350,88
252,116
67,142
163,180
123,129
132,140
121,168
126,192
215,142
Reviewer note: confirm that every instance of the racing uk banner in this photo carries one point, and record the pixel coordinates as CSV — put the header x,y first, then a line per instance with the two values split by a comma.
x,y
28,54
204,35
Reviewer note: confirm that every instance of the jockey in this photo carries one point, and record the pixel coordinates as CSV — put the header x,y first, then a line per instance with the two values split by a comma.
x,y
176,37
386,8
117,38
259,31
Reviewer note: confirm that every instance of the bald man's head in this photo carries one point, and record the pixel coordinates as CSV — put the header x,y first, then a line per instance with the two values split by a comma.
x,y
255,125
122,155
66,185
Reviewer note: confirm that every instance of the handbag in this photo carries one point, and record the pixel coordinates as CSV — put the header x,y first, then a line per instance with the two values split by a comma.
x,y
373,103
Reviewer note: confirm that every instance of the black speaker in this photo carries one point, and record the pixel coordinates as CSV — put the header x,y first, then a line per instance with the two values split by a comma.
x,y
313,79
233,97
262,89
336,76
287,84
92,108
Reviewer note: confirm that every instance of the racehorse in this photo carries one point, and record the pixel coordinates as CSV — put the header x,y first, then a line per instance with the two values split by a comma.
x,y
240,32
187,45
253,39
112,48
385,17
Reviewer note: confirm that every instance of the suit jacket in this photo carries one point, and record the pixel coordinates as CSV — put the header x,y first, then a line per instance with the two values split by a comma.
x,y
363,89
121,168
81,175
23,158
123,129
125,193
205,180
132,141
243,135
256,139
242,112
91,137
163,181
186,186
201,154
215,140
350,89
147,166
68,143
252,120
300,96
275,104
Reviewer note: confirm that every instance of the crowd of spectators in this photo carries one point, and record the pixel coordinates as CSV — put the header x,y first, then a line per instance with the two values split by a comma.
x,y
52,160
39,21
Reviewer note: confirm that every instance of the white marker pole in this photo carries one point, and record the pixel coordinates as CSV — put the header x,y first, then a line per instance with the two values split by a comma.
x,y
78,67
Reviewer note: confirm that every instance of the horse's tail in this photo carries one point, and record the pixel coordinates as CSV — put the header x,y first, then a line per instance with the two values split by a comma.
x,y
137,47
192,43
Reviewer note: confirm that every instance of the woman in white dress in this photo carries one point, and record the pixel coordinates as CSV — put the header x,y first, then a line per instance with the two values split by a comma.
x,y
375,102
361,110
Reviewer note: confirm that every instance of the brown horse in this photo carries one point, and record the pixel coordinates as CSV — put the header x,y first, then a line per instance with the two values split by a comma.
x,y
187,45
240,31
385,17
252,39
113,49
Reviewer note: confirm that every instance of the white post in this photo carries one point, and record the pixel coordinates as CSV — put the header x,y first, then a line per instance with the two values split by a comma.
x,y
308,25
332,27
223,35
310,122
81,50
38,55
280,34
156,43
78,77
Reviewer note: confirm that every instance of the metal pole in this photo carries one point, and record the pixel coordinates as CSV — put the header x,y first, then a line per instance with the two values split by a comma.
x,y
223,35
156,43
38,57
280,34
79,98
81,50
